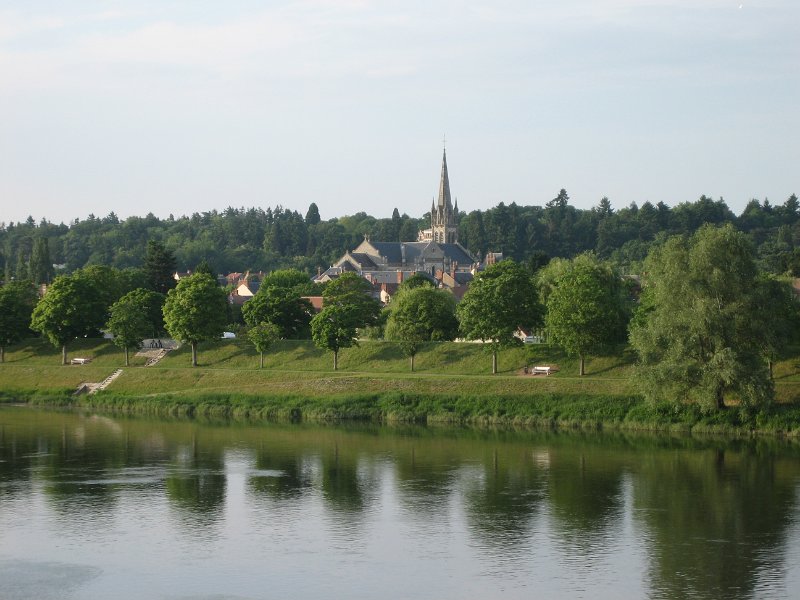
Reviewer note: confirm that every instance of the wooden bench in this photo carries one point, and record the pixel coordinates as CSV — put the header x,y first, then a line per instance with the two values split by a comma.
x,y
541,370
80,361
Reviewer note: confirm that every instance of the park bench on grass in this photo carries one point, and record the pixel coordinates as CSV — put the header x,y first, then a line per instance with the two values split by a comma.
x,y
541,370
80,361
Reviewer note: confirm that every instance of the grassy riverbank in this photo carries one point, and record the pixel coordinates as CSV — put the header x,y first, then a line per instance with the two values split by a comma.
x,y
452,384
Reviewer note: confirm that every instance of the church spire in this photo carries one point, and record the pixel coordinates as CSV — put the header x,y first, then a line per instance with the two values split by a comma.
x,y
444,186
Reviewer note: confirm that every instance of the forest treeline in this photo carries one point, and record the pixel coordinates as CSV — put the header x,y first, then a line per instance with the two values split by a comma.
x,y
240,239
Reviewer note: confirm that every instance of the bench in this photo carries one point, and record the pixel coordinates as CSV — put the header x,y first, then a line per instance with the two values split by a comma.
x,y
80,361
541,370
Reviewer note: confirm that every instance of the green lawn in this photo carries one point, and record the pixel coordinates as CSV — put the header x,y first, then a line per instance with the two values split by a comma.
x,y
298,368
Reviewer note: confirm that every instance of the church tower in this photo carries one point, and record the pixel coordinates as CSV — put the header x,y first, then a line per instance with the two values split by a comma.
x,y
443,214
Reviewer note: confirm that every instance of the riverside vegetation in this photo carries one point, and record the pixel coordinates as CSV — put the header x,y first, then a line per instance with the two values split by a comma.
x,y
452,384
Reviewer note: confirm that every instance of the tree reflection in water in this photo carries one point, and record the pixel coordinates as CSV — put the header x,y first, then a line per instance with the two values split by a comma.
x,y
712,519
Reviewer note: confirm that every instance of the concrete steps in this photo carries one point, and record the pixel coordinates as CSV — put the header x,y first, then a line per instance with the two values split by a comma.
x,y
154,359
107,381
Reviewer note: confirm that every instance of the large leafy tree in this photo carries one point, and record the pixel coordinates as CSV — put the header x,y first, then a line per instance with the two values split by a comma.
x,y
499,300
291,279
421,314
111,284
586,307
71,308
195,311
699,332
17,300
281,307
131,319
348,306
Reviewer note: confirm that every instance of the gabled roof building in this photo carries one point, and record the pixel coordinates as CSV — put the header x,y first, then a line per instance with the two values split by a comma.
x,y
436,249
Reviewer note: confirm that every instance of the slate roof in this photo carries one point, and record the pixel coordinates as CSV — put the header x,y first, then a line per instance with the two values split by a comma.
x,y
393,252
364,260
390,250
463,278
457,253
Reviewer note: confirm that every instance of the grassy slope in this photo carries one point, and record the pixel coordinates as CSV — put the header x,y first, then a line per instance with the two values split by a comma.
x,y
451,382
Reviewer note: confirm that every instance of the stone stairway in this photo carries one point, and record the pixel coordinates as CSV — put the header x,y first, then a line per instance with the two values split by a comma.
x,y
157,357
107,381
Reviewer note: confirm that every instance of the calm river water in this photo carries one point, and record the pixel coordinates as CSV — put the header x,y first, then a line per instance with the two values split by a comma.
x,y
98,507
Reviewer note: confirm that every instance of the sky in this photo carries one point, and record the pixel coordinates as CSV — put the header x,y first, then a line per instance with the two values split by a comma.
x,y
180,107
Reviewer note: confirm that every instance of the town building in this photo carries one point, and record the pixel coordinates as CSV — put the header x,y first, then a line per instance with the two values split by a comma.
x,y
436,253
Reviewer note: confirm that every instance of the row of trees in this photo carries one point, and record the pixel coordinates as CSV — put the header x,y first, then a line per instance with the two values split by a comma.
x,y
238,239
709,323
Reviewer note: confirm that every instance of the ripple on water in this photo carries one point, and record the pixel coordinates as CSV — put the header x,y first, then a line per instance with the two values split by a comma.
x,y
23,579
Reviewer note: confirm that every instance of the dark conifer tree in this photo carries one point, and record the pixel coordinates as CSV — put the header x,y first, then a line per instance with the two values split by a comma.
x,y
159,265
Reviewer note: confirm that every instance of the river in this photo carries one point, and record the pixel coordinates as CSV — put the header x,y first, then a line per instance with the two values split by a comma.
x,y
98,506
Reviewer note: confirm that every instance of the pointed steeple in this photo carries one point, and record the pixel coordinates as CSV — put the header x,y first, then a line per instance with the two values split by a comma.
x,y
444,185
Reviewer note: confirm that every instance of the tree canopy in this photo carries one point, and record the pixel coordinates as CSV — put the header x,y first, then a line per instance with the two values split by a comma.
x,y
131,319
282,307
698,331
586,306
421,314
72,307
159,266
499,300
238,239
195,311
263,336
17,300
347,307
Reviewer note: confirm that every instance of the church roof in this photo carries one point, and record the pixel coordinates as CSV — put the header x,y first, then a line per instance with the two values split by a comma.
x,y
363,259
457,253
389,250
395,252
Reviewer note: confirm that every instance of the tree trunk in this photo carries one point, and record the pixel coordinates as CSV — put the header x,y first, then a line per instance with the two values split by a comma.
x,y
412,363
64,354
335,359
769,364
720,397
194,354
127,364
494,362
261,361
582,368
2,354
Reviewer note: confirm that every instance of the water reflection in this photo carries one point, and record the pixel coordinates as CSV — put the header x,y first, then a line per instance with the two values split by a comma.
x,y
196,481
717,517
467,512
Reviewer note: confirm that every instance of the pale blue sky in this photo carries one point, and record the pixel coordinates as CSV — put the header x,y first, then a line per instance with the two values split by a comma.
x,y
176,107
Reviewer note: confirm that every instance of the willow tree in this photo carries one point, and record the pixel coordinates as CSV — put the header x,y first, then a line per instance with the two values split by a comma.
x,y
699,330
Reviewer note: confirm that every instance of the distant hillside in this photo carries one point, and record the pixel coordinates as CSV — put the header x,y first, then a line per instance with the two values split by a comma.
x,y
238,239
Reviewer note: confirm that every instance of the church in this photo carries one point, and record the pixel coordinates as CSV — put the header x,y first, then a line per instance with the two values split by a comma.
x,y
436,252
